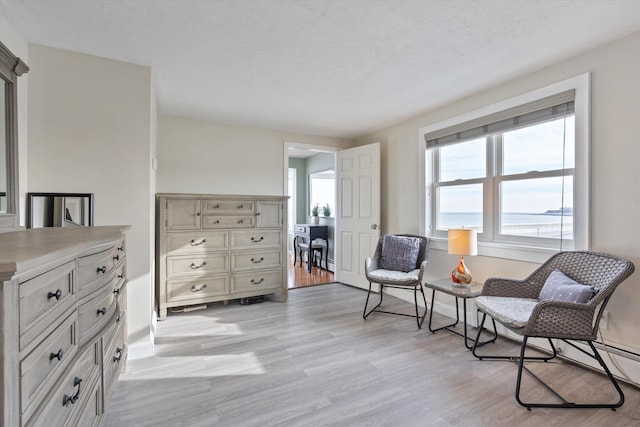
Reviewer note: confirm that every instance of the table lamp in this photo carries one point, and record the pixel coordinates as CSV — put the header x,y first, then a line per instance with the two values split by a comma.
x,y
462,241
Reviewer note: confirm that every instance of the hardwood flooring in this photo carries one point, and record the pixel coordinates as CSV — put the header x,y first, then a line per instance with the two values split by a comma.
x,y
299,276
314,361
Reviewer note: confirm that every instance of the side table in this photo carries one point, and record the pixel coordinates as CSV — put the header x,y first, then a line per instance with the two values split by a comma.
x,y
472,291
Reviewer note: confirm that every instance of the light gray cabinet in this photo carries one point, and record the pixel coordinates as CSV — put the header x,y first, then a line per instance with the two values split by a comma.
x,y
219,247
63,344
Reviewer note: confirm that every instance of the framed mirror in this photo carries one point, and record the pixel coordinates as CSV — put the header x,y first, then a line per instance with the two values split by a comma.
x,y
10,68
60,210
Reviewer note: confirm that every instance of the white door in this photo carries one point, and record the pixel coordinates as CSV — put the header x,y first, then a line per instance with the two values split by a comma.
x,y
357,213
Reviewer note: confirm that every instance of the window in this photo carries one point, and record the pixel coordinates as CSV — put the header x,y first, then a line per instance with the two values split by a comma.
x,y
323,190
517,175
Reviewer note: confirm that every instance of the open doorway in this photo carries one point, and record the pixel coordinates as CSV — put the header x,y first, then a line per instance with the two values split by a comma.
x,y
310,181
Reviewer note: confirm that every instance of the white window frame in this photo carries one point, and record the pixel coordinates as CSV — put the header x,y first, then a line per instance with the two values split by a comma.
x,y
514,250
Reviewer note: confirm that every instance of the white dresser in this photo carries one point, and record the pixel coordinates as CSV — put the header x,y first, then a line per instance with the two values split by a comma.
x,y
219,247
63,314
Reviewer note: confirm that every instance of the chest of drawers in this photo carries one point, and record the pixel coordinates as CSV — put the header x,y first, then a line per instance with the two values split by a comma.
x,y
219,247
63,316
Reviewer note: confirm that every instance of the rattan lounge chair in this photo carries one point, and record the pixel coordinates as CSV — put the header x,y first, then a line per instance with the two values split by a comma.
x,y
517,305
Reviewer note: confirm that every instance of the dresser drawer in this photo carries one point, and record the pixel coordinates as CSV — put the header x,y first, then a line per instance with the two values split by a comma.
x,y
114,355
91,413
197,265
255,260
43,299
68,397
190,243
198,288
94,267
41,368
230,221
256,281
252,239
227,207
94,314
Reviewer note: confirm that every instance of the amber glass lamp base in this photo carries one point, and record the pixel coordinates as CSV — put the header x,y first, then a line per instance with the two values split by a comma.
x,y
461,276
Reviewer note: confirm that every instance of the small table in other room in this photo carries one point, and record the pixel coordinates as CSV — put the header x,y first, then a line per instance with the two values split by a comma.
x,y
472,291
309,233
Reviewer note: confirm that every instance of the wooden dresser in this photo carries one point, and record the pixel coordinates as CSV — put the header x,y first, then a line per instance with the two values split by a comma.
x,y
219,247
63,316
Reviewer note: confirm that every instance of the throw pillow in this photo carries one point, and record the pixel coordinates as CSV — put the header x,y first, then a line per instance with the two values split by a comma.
x,y
559,287
399,253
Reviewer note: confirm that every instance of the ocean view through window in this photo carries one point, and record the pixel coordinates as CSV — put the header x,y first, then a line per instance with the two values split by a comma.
x,y
513,185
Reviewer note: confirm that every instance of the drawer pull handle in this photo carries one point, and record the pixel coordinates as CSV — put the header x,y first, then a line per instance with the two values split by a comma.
x,y
198,288
253,260
102,269
217,221
197,213
66,399
116,291
254,282
216,206
241,207
102,311
120,276
121,248
257,213
57,294
254,240
57,355
240,221
194,267
116,258
118,355
198,243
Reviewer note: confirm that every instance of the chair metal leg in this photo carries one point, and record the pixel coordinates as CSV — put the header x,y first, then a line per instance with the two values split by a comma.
x,y
419,319
565,404
477,344
364,313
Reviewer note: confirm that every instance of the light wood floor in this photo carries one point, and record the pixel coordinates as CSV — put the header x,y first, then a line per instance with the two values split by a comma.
x,y
314,361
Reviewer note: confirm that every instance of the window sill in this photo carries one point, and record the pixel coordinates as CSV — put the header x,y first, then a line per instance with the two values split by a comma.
x,y
504,250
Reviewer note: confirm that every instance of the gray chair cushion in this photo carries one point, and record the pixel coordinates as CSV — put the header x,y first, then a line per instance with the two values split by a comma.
x,y
399,253
512,312
395,277
559,287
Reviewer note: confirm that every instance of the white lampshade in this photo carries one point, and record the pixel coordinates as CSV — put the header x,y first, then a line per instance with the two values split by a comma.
x,y
463,241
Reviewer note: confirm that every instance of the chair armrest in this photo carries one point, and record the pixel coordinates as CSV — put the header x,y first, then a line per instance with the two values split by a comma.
x,y
423,267
501,287
566,320
371,264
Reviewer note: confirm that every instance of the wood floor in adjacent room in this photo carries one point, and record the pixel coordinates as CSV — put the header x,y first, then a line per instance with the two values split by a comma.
x,y
314,361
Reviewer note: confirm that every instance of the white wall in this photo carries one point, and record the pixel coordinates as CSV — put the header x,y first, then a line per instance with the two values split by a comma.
x,y
90,131
20,48
196,156
615,166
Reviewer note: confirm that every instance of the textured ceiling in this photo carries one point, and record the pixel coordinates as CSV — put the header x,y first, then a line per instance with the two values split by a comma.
x,y
336,68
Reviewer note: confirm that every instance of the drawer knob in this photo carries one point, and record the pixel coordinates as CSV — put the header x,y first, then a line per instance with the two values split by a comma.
x,y
254,240
116,291
198,288
198,242
102,269
116,258
253,260
118,355
121,248
257,282
195,267
57,294
241,207
57,355
240,221
66,399
102,311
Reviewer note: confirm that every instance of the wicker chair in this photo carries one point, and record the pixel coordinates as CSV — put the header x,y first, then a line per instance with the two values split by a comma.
x,y
515,305
397,279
